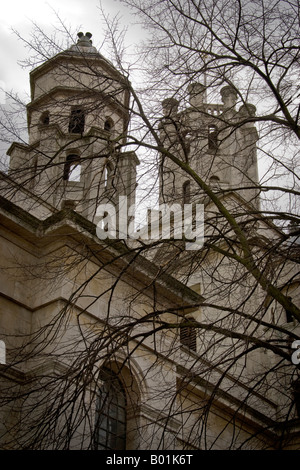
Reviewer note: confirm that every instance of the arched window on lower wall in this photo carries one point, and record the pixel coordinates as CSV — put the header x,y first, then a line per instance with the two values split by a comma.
x,y
110,433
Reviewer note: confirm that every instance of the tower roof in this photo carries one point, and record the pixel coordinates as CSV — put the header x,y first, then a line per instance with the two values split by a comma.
x,y
79,55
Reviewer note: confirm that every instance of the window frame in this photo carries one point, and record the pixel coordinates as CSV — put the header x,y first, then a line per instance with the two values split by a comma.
x,y
108,125
72,160
77,121
111,413
213,141
44,120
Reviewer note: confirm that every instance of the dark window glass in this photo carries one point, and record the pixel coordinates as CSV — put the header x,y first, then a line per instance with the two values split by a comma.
x,y
111,414
296,392
289,317
108,125
212,137
77,119
45,118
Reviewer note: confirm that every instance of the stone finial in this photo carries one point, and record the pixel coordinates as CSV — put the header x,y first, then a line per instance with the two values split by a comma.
x,y
196,94
84,44
229,96
84,39
170,106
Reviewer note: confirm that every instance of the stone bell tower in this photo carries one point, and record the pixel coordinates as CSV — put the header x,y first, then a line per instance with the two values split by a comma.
x,y
218,141
77,125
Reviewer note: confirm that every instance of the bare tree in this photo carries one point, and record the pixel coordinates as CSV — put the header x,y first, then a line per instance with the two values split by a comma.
x,y
192,348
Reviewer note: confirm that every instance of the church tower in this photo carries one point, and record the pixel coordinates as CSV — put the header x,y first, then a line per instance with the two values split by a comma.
x,y
77,124
216,140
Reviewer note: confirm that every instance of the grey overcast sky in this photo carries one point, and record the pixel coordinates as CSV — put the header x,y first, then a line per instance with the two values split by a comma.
x,y
19,15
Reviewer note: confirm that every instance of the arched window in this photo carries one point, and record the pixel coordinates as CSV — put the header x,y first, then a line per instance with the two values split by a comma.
x,y
72,168
108,125
45,118
188,335
108,175
110,432
212,137
214,181
77,120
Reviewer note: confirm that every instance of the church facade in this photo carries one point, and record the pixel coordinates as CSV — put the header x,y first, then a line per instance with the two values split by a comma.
x,y
107,343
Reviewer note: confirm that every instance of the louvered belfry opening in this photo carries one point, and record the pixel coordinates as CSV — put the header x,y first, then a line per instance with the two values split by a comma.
x,y
188,334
